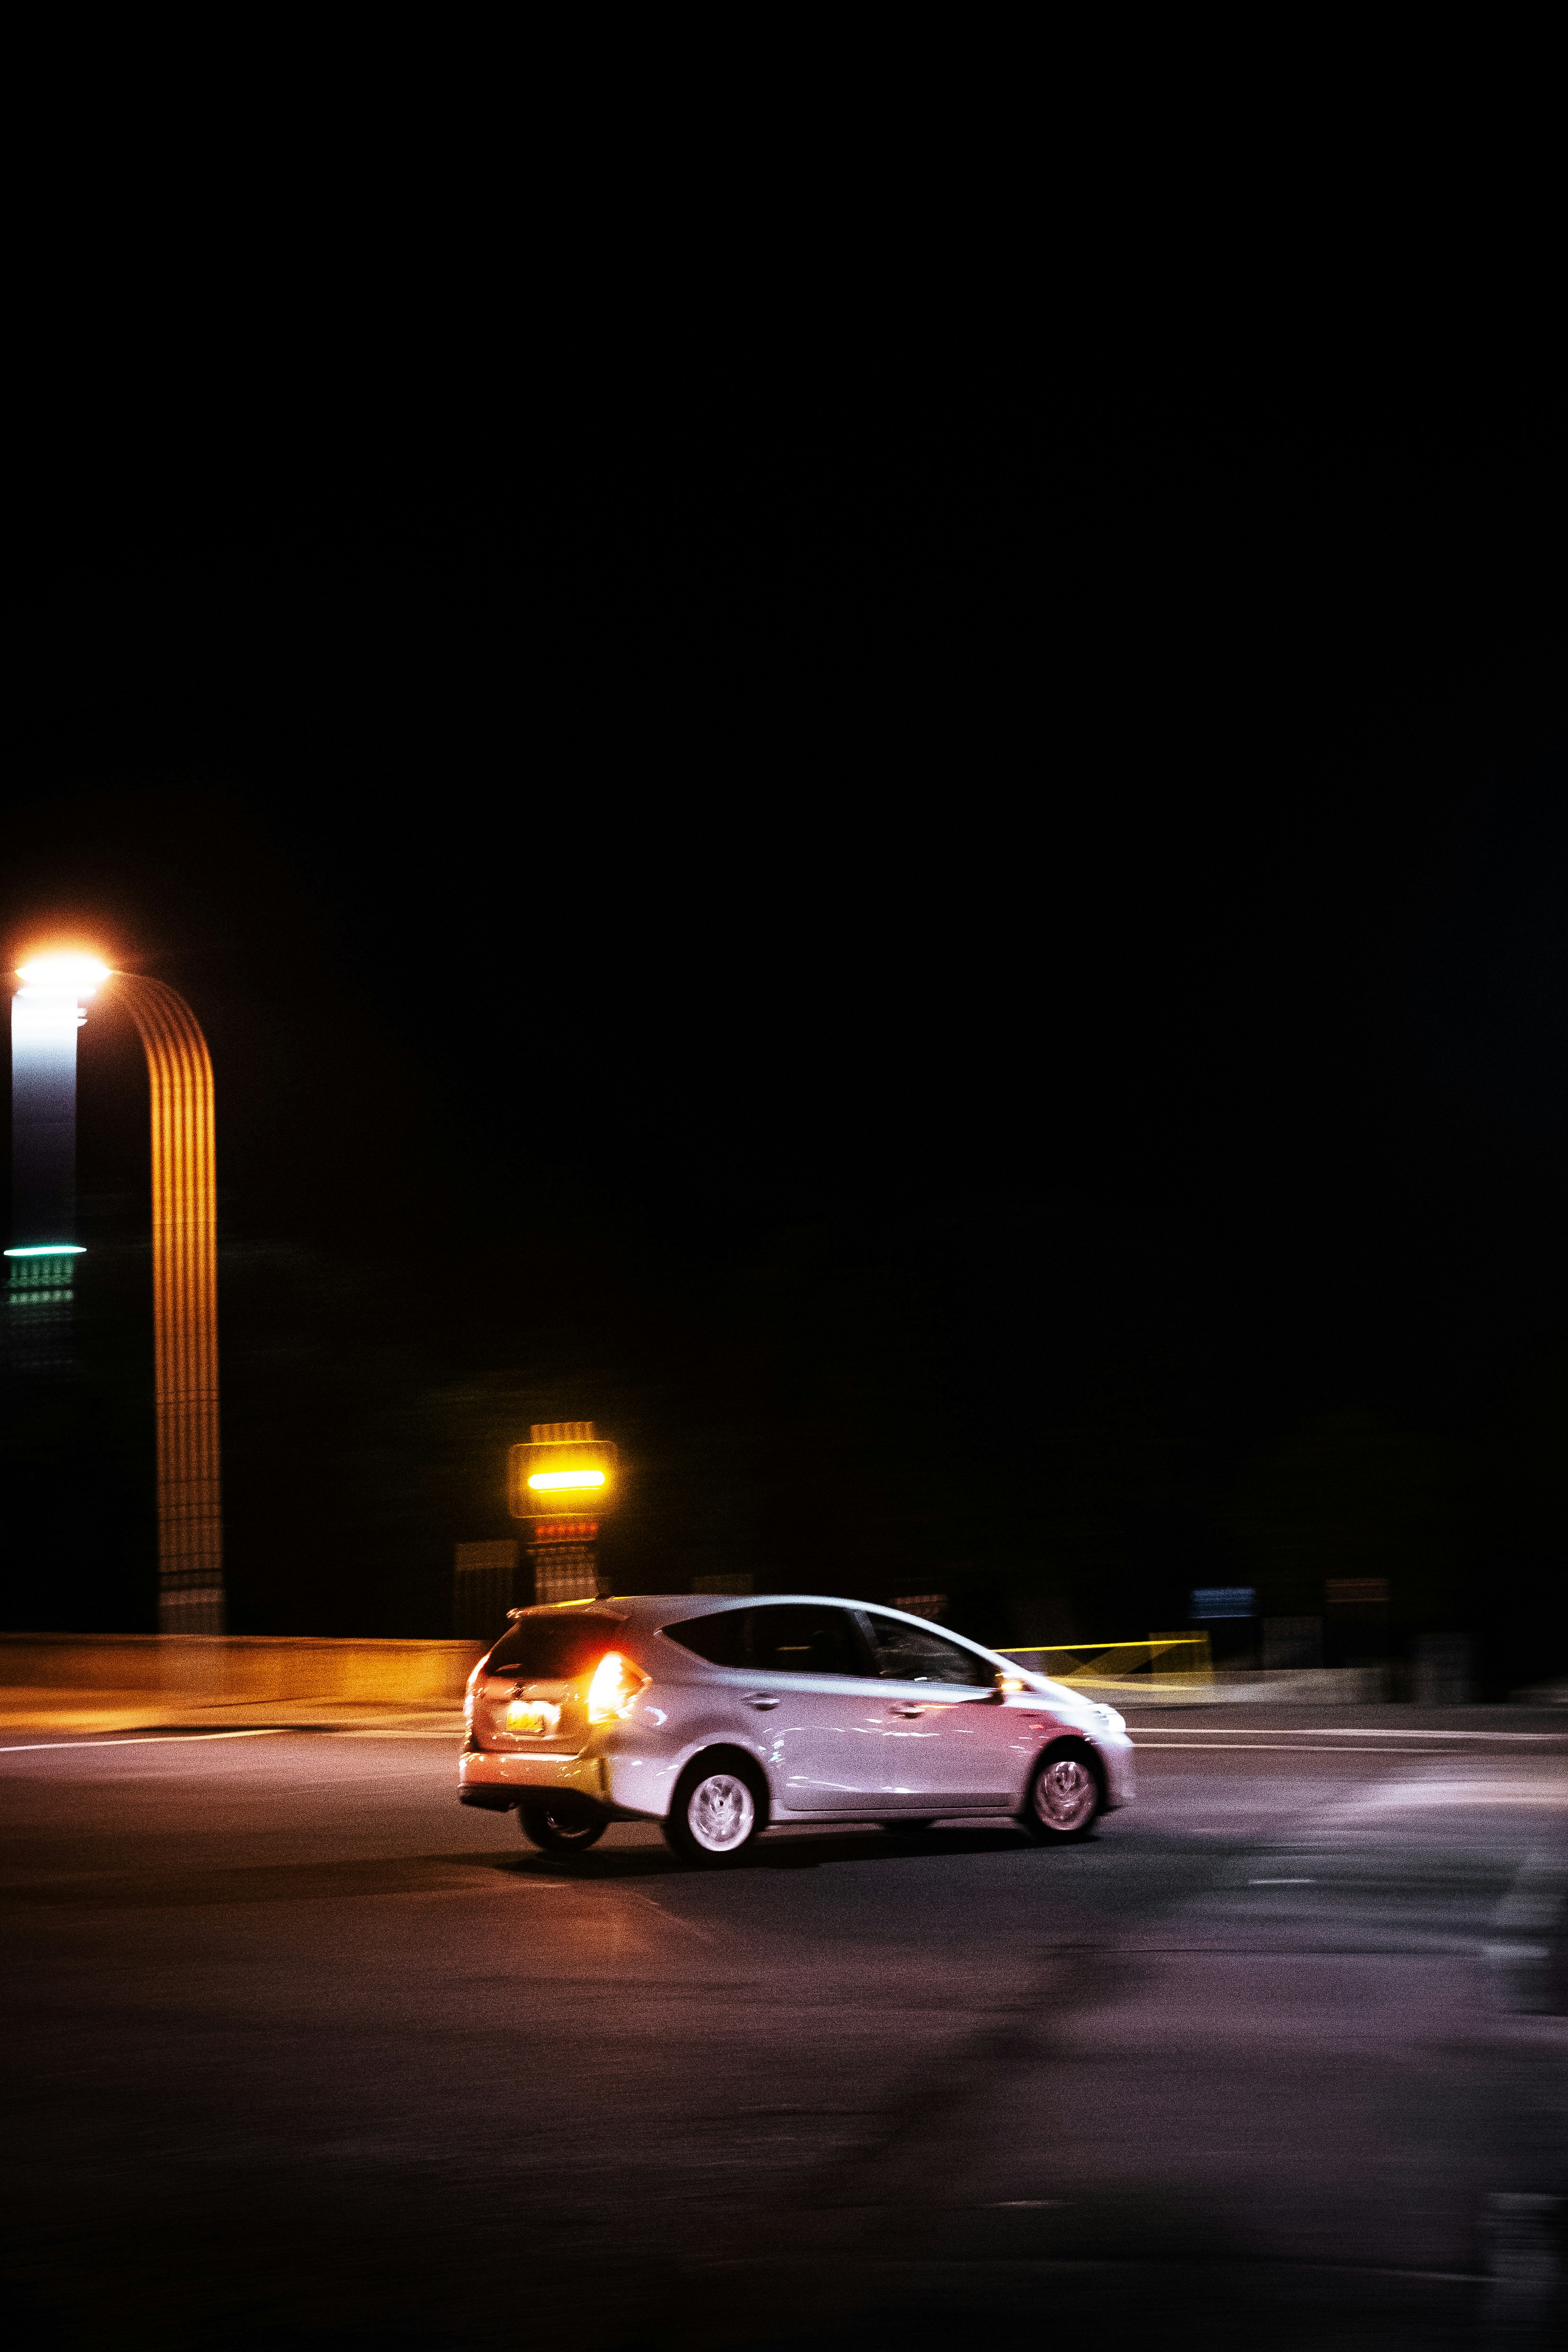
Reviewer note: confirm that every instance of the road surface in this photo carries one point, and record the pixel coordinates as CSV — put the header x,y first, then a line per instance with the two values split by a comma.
x,y
299,2054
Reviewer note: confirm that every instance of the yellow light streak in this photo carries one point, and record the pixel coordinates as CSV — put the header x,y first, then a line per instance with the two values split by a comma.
x,y
1091,1665
557,1481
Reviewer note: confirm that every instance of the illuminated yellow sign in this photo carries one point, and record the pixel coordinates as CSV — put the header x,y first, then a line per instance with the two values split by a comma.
x,y
569,1474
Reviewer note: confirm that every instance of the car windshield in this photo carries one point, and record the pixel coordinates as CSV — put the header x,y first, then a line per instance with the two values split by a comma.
x,y
553,1649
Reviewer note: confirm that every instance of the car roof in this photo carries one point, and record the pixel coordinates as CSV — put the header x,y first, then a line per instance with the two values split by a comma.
x,y
674,1608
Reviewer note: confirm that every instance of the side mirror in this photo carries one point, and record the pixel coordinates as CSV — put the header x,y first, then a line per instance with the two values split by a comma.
x,y
1005,1685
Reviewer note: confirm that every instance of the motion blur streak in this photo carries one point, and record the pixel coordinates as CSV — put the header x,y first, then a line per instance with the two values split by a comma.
x,y
184,1307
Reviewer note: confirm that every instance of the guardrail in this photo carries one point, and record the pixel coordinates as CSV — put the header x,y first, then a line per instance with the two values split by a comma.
x,y
235,1669
1106,1666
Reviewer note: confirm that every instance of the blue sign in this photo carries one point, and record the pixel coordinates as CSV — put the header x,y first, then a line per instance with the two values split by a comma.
x,y
1223,1601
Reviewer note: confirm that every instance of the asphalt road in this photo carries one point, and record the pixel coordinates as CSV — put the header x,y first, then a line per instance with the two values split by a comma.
x,y
299,2054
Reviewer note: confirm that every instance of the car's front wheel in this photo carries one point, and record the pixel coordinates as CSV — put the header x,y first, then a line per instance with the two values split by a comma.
x,y
1064,1794
564,1824
718,1813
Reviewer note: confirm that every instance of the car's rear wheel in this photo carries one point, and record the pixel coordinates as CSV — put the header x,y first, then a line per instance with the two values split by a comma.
x,y
1065,1795
720,1811
562,1824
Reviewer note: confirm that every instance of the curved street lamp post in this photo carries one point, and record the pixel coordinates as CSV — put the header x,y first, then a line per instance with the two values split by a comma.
x,y
46,1014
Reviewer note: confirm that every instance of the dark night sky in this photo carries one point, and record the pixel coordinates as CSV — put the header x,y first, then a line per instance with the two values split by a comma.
x,y
957,980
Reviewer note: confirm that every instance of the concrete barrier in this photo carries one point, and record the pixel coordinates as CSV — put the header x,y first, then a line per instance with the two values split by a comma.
x,y
69,1672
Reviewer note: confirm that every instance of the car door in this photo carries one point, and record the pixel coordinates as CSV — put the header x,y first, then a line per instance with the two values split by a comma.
x,y
945,1744
810,1678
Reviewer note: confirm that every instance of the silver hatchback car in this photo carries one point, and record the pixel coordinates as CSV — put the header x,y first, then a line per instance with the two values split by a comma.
x,y
716,1718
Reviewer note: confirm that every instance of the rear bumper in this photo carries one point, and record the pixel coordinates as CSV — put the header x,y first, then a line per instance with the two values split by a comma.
x,y
637,1787
490,1801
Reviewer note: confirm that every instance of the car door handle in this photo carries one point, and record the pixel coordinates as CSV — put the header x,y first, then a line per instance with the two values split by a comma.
x,y
760,1698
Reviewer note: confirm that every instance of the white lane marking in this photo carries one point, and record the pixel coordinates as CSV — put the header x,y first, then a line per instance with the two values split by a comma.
x,y
1342,1731
1271,1747
1281,1882
1470,1792
146,1740
1371,1796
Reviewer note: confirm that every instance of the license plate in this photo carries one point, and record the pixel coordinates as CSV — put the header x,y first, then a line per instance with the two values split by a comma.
x,y
533,1718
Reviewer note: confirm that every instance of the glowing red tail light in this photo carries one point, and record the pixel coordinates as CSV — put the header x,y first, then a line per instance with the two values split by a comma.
x,y
615,1687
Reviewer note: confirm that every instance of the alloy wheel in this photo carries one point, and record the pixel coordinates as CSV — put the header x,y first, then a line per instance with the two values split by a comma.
x,y
721,1813
1065,1795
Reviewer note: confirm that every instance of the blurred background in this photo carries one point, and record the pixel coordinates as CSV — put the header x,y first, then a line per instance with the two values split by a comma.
x,y
980,984
886,811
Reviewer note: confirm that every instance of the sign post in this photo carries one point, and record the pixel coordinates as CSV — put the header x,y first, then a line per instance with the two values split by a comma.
x,y
562,1482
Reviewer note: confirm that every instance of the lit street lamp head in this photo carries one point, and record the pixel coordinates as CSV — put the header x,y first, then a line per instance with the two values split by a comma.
x,y
66,975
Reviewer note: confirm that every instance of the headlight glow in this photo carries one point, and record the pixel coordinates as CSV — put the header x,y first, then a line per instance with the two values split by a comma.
x,y
555,1482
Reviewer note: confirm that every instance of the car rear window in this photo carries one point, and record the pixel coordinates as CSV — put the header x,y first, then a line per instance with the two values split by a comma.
x,y
553,1649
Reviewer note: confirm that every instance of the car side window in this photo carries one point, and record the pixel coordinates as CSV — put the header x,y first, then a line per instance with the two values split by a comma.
x,y
724,1639
918,1654
801,1638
